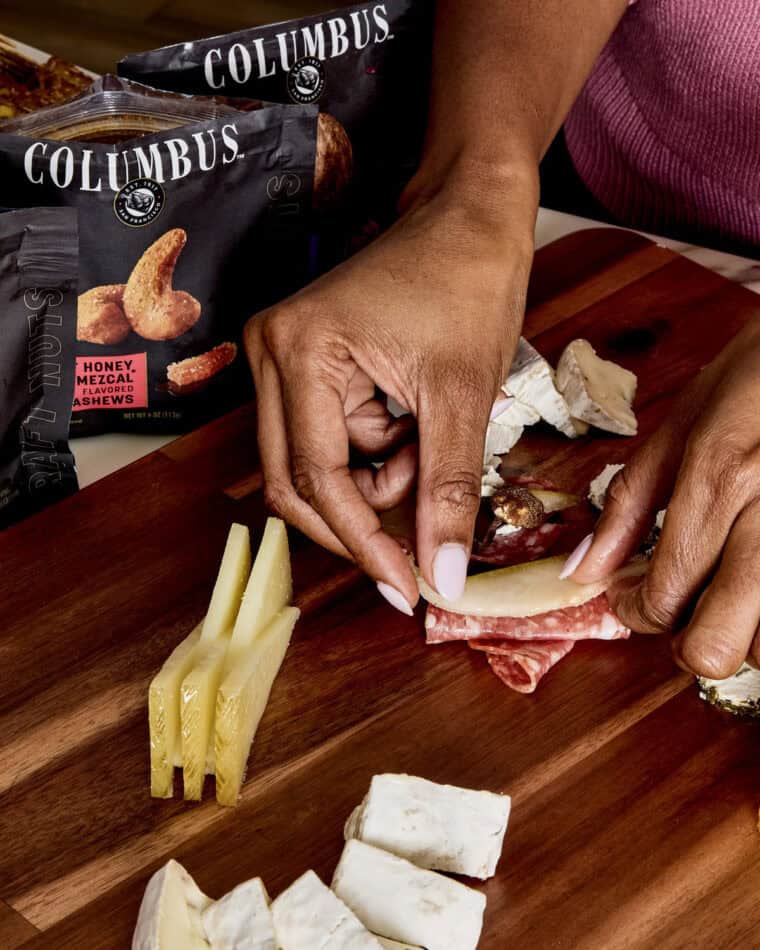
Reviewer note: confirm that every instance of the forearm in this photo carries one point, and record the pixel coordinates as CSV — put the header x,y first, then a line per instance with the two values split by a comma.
x,y
504,77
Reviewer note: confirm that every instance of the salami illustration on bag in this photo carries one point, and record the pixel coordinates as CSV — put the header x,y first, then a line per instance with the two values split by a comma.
x,y
38,312
366,65
193,215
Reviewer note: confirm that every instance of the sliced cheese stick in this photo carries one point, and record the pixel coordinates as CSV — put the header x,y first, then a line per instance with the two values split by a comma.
x,y
230,582
170,912
309,916
531,380
241,920
597,391
164,715
524,590
439,827
395,898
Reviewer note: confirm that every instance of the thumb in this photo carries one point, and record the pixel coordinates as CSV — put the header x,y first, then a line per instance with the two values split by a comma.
x,y
454,406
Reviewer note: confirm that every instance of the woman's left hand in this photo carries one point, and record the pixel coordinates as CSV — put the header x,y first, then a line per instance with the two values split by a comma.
x,y
703,464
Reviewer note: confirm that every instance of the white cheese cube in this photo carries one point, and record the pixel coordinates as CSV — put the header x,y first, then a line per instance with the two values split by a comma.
x,y
597,391
309,916
170,913
241,920
439,827
597,490
531,381
395,898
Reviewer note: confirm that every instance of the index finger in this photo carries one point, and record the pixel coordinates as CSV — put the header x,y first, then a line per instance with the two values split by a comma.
x,y
319,449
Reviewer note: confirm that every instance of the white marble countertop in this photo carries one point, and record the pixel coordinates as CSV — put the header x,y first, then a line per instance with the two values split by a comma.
x,y
100,455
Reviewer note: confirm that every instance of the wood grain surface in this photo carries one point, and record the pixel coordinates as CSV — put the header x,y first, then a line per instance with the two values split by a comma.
x,y
634,822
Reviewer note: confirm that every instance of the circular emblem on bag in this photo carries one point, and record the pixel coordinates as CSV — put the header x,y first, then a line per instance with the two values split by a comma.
x,y
139,202
306,80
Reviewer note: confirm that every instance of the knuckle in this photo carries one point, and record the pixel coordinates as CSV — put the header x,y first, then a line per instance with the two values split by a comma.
x,y
725,470
656,609
457,491
278,498
302,473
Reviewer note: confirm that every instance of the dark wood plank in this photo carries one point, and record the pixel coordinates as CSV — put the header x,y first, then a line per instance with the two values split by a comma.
x,y
15,931
630,794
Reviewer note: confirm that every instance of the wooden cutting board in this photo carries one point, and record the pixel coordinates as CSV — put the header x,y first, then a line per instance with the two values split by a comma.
x,y
635,803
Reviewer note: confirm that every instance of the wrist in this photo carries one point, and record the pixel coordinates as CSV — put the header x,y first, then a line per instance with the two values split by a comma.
x,y
500,195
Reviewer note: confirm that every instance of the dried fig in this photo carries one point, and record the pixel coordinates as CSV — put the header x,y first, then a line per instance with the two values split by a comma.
x,y
154,309
334,163
100,315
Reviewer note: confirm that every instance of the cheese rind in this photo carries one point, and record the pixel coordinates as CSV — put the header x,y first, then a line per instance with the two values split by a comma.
x,y
438,827
241,920
597,391
197,708
164,715
170,912
531,381
597,490
269,589
524,590
395,898
241,701
309,916
229,585
507,428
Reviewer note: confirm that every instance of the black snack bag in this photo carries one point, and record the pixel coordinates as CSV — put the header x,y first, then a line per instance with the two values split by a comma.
x,y
367,65
38,315
193,216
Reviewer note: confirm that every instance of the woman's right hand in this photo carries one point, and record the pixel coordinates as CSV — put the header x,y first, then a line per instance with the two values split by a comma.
x,y
429,314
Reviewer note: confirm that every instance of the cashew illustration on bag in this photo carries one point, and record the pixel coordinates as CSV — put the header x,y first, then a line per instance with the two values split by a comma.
x,y
100,315
195,372
153,308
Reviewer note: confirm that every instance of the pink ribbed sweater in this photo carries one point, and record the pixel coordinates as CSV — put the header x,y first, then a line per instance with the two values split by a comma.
x,y
666,133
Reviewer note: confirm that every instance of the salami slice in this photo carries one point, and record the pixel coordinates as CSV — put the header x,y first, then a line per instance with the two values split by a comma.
x,y
593,620
527,544
522,665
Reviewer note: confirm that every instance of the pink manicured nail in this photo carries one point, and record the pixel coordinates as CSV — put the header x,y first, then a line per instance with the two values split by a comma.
x,y
574,561
450,570
501,405
395,598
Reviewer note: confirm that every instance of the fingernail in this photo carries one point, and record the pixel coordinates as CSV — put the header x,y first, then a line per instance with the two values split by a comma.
x,y
450,570
501,405
574,561
395,598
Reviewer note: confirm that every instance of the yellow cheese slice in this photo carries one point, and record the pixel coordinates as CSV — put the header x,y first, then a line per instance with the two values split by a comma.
x,y
524,590
164,716
197,705
230,583
269,589
241,701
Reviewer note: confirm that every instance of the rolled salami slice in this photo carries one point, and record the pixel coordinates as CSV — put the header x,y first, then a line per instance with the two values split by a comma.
x,y
522,665
591,620
525,544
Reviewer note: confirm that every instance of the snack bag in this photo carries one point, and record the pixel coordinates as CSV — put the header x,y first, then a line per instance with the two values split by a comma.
x,y
366,65
38,314
192,216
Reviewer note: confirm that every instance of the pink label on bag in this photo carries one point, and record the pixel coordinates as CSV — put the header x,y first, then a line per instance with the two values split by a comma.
x,y
111,382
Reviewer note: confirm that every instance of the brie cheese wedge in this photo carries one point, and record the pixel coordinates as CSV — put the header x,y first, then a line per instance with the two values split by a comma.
x,y
597,391
395,898
438,827
531,381
309,916
241,920
171,912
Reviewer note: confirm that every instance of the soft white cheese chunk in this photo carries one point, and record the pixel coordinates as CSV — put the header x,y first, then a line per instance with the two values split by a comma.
x,y
395,898
490,480
170,913
507,529
309,916
505,431
241,920
395,945
531,381
439,827
597,490
597,391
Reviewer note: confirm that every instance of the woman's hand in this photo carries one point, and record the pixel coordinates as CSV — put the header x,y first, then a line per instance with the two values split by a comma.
x,y
429,314
703,463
